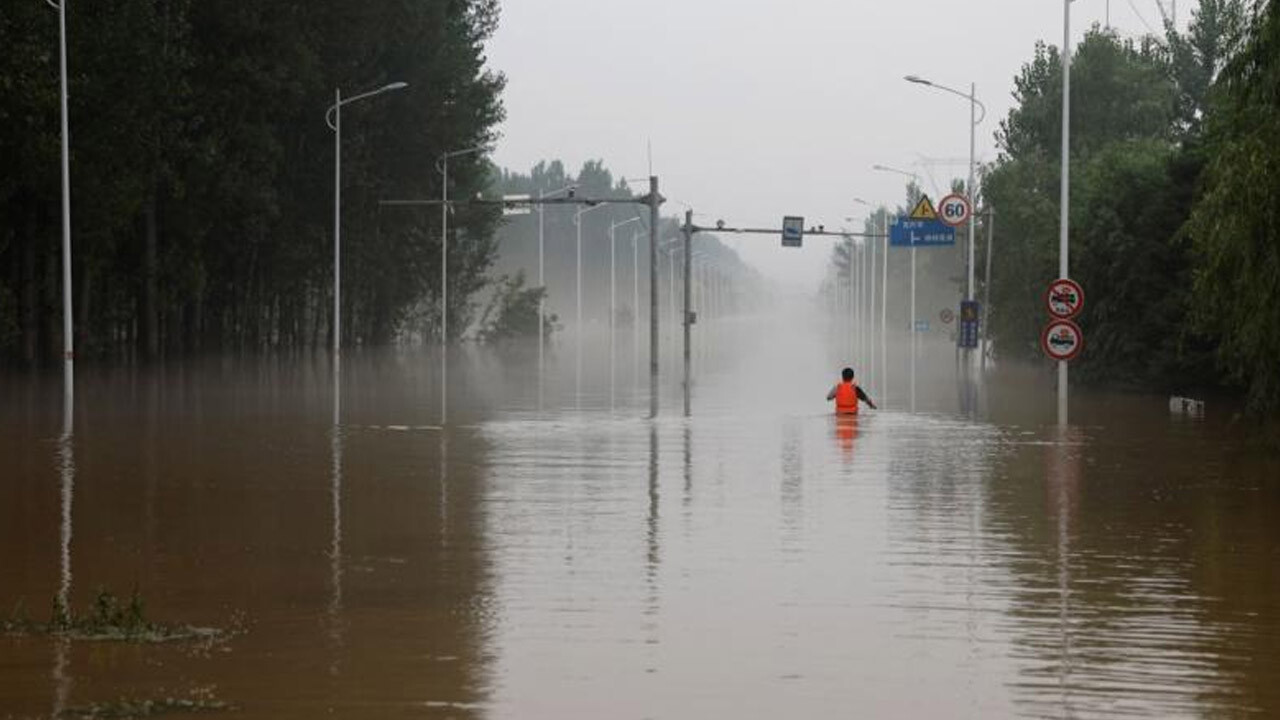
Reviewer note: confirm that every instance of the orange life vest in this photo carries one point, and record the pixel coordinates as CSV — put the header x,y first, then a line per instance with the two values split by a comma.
x,y
847,398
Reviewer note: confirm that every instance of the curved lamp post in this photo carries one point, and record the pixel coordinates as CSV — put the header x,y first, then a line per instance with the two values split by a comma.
x,y
577,222
912,328
542,282
333,118
974,121
443,166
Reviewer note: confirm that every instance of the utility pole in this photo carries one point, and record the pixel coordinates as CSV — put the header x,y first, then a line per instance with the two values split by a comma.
x,y
1065,199
884,310
986,286
687,231
635,308
655,201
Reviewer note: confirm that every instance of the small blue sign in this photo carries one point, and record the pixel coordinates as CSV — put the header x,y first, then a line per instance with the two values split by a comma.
x,y
968,337
792,231
921,233
922,326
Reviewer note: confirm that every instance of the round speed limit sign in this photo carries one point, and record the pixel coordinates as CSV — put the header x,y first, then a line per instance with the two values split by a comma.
x,y
954,209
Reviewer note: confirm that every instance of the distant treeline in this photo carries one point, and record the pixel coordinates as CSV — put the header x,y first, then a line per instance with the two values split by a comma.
x,y
518,244
202,171
1174,234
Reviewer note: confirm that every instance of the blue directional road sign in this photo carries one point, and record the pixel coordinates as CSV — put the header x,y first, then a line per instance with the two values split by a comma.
x,y
792,231
921,233
968,324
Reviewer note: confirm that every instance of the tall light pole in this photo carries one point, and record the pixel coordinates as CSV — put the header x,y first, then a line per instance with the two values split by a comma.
x,y
974,121
68,341
912,325
635,306
542,281
333,118
577,222
1065,200
443,165
871,314
613,297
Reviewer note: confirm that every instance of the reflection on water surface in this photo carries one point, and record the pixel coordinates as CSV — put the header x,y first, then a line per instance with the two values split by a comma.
x,y
760,559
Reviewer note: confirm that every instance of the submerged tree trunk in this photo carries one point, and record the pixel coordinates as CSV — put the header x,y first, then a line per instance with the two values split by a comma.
x,y
29,297
150,312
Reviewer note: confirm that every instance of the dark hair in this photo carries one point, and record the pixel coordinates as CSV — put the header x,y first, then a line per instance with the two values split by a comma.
x,y
846,374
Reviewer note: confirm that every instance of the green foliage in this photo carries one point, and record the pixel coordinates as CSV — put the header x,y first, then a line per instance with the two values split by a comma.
x,y
1135,160
202,170
107,620
519,240
1234,226
512,313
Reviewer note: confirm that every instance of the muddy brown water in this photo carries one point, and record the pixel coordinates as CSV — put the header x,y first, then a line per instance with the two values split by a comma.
x,y
757,560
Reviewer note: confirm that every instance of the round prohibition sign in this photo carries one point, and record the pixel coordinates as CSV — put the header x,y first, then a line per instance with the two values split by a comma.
x,y
954,209
1062,340
1064,298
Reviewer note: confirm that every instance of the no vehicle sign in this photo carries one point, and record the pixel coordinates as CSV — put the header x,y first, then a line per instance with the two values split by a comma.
x,y
954,210
1064,298
1062,340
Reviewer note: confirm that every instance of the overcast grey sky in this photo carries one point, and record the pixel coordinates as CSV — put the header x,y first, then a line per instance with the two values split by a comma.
x,y
760,109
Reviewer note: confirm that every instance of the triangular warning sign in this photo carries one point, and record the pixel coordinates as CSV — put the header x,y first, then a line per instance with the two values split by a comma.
x,y
924,210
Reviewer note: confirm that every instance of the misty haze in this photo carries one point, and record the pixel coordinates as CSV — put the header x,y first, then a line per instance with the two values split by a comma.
x,y
485,359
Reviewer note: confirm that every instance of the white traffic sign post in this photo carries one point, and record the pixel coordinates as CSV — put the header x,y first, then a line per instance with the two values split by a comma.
x,y
1062,340
955,210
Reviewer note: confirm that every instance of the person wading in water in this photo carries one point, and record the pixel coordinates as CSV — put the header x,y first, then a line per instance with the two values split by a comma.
x,y
846,393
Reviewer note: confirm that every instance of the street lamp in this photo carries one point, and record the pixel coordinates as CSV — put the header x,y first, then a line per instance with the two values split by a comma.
x,y
68,346
883,383
912,327
974,104
577,221
1065,201
635,307
854,309
613,302
871,307
333,118
443,165
542,282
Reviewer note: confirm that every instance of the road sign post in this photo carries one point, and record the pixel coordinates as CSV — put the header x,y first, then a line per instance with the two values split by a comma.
x,y
1062,339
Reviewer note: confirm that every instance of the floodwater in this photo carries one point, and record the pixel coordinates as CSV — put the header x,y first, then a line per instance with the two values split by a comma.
x,y
757,560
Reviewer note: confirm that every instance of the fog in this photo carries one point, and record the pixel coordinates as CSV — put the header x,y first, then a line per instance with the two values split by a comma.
x,y
758,110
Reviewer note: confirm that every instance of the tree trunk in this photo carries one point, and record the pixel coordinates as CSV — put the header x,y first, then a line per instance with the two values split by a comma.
x,y
29,297
150,320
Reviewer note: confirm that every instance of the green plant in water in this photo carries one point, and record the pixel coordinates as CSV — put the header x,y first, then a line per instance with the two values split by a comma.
x,y
108,619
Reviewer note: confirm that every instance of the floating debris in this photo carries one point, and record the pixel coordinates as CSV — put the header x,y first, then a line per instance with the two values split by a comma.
x,y
1186,406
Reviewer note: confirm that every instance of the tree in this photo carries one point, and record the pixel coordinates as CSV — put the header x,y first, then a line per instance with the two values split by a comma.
x,y
202,171
1233,225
